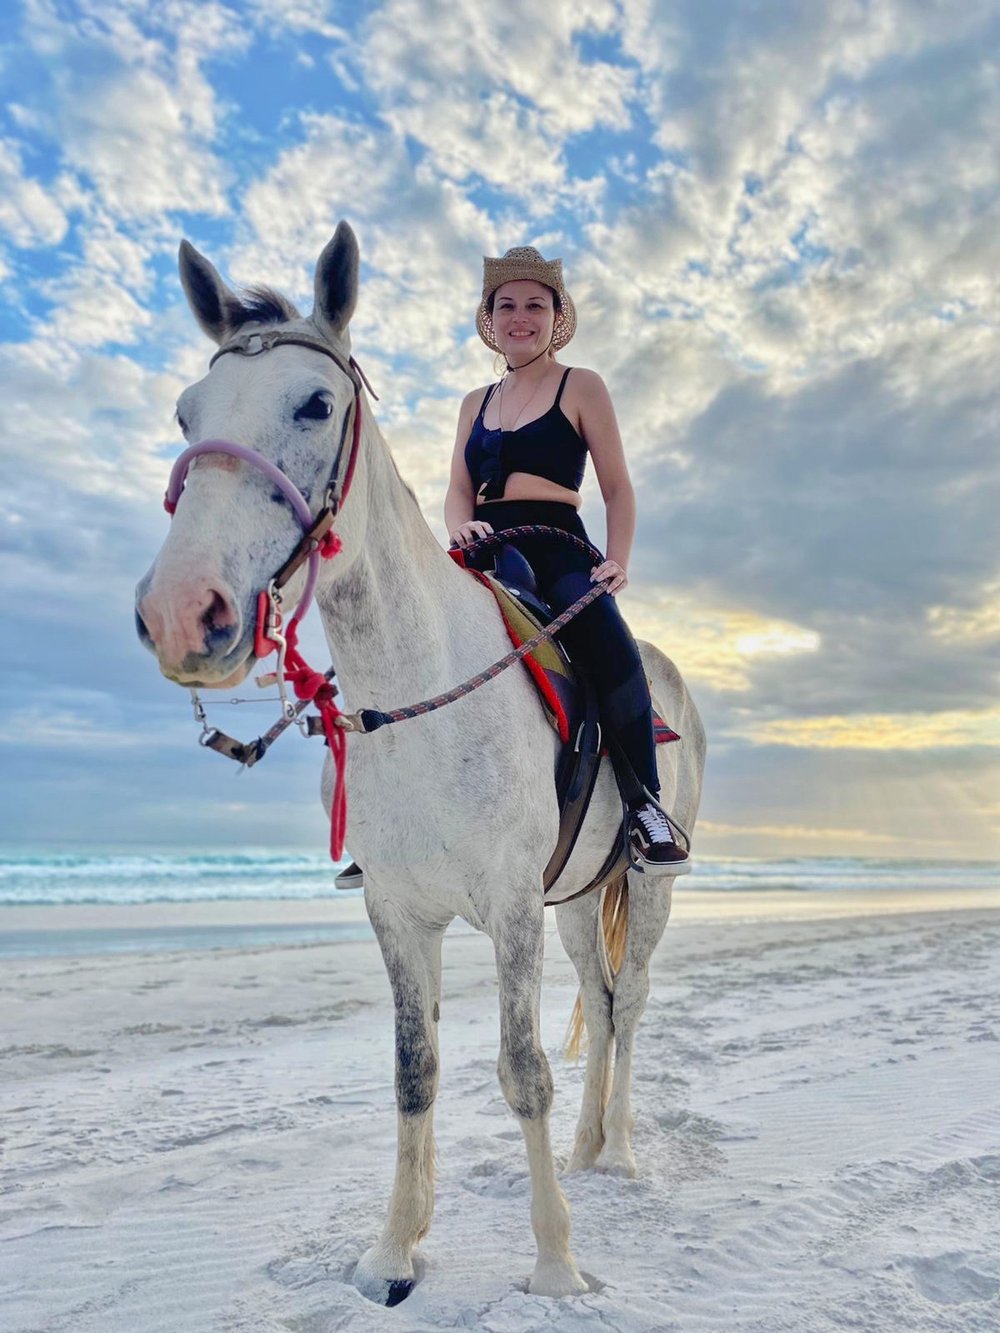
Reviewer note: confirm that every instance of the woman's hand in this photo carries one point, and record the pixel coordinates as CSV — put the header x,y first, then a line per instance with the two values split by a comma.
x,y
612,573
469,532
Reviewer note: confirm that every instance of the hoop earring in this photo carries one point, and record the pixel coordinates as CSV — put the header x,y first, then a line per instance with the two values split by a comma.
x,y
499,365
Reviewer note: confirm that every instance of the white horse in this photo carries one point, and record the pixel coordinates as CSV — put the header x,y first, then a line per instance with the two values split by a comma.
x,y
452,814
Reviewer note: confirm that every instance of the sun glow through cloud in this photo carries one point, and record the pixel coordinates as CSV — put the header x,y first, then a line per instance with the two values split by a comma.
x,y
873,731
718,646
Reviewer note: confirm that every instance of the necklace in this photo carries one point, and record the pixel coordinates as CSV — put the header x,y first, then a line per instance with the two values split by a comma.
x,y
524,406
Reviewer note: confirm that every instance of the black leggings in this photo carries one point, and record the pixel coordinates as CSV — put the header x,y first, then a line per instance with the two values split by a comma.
x,y
597,638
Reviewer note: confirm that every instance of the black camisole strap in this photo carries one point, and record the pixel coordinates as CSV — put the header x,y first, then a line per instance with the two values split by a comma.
x,y
562,385
486,398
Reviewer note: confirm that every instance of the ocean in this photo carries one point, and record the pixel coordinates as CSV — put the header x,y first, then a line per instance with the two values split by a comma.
x,y
87,880
119,878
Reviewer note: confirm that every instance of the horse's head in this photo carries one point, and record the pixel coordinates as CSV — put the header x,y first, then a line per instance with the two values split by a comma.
x,y
234,527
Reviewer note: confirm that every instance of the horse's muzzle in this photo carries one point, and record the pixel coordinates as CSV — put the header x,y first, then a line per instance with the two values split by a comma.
x,y
196,631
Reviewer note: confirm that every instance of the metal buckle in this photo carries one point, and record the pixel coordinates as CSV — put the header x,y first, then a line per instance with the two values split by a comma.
x,y
579,736
332,499
273,634
201,716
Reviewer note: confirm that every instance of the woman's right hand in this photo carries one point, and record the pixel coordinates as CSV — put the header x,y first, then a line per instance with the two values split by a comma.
x,y
470,532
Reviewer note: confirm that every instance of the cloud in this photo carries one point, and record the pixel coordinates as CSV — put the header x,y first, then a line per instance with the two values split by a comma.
x,y
92,309
797,833
129,106
299,16
48,728
979,622
340,168
829,176
86,425
892,731
496,94
29,215
713,646
857,505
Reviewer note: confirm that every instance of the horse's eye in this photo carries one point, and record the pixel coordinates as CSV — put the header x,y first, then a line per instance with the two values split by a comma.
x,y
318,408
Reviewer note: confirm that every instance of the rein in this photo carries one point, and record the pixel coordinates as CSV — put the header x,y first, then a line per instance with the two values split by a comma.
x,y
371,719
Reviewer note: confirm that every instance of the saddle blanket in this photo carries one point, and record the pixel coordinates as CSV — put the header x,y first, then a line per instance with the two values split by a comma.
x,y
549,667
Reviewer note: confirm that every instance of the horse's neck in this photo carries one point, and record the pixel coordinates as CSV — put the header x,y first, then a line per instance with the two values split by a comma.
x,y
398,622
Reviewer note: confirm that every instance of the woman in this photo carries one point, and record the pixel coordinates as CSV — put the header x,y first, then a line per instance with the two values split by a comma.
x,y
520,454
519,458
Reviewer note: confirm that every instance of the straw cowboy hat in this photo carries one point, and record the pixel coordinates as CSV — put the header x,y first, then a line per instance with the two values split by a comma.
x,y
524,262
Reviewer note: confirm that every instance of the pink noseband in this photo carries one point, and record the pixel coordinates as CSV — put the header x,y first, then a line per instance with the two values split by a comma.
x,y
289,490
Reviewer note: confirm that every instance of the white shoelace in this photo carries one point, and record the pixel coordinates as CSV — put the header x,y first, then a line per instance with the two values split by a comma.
x,y
654,821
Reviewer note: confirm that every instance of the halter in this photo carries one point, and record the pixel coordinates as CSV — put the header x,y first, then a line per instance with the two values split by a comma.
x,y
318,541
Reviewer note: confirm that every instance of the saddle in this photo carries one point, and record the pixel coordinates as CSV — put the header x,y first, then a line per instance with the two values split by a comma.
x,y
570,703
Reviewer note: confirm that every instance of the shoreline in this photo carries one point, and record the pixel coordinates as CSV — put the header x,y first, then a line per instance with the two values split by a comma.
x,y
89,929
689,906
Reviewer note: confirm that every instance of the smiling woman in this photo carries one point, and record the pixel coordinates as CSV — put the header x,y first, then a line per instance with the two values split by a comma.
x,y
519,462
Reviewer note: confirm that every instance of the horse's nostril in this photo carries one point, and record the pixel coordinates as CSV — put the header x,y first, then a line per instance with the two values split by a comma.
x,y
212,616
218,617
142,630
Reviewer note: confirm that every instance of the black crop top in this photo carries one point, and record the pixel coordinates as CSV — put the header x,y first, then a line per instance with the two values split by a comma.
x,y
547,447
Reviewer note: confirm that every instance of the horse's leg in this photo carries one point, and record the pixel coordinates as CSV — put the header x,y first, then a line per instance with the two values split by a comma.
x,y
412,954
526,1082
649,908
579,924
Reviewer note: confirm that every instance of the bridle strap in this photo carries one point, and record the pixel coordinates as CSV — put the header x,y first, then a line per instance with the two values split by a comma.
x,y
311,541
262,340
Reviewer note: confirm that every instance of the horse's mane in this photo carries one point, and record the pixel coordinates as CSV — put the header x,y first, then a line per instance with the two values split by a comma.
x,y
261,305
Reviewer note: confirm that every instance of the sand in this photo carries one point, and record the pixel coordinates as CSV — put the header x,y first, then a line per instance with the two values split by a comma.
x,y
202,1139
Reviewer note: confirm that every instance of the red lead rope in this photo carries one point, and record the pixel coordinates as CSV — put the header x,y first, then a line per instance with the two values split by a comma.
x,y
313,687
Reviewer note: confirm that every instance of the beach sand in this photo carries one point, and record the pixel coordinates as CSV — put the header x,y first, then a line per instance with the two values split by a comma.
x,y
202,1139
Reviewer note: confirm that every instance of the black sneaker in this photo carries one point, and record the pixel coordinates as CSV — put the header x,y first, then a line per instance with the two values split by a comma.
x,y
652,843
351,878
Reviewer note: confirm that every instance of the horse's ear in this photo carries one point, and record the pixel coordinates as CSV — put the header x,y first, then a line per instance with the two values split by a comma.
x,y
337,282
214,306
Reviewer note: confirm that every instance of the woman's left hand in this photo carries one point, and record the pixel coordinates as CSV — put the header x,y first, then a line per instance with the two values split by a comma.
x,y
612,573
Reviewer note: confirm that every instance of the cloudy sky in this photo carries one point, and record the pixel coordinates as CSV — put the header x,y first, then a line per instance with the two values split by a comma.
x,y
779,223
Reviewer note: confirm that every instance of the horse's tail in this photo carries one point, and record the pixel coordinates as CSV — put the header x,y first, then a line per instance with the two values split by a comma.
x,y
611,936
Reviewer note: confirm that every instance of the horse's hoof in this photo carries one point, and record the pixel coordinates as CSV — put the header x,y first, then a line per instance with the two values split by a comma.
x,y
586,1149
619,1163
378,1287
398,1291
580,1161
557,1280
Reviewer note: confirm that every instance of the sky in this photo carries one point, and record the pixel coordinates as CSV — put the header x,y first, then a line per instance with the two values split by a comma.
x,y
779,223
